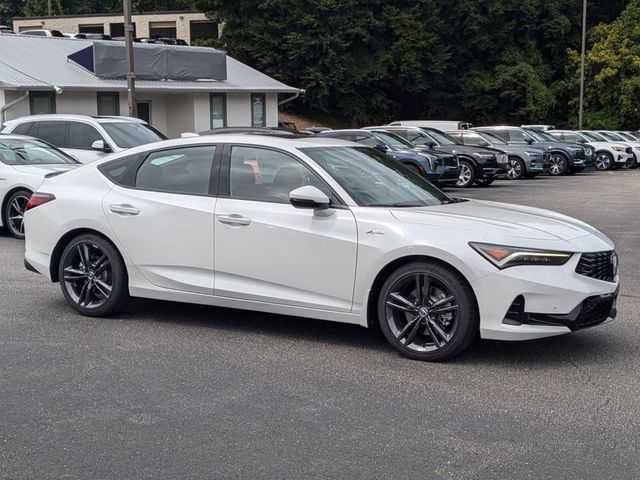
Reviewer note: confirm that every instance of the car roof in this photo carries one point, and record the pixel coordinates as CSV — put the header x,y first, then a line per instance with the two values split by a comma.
x,y
344,130
86,118
282,142
12,136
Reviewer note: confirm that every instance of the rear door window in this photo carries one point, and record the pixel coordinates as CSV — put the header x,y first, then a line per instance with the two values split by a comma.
x,y
52,132
82,136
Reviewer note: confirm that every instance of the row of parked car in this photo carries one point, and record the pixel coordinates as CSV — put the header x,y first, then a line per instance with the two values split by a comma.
x,y
41,32
34,147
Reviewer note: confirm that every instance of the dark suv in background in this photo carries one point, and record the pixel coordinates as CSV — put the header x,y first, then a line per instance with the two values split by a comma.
x,y
478,165
525,161
566,158
438,168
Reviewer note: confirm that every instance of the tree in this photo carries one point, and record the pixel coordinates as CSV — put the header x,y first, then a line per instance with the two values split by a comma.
x,y
36,8
612,73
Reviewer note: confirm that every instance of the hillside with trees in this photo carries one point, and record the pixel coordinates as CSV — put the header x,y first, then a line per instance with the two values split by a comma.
x,y
369,61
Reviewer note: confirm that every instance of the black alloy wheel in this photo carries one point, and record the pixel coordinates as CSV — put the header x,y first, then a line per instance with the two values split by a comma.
x,y
14,213
427,312
93,276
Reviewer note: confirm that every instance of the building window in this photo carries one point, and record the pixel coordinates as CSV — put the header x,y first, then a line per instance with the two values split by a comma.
x,y
258,110
108,103
202,30
92,28
218,102
42,102
117,30
162,29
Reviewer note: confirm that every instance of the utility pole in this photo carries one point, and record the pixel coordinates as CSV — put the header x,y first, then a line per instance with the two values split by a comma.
x,y
582,60
131,76
49,8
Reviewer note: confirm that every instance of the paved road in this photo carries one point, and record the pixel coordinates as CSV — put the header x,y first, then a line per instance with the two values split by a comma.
x,y
175,391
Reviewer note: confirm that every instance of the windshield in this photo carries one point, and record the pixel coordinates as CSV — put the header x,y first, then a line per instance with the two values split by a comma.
x,y
611,136
593,136
373,180
394,140
129,134
442,138
627,137
489,137
537,135
32,152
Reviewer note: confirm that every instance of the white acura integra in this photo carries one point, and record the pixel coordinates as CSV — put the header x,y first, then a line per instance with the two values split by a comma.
x,y
320,228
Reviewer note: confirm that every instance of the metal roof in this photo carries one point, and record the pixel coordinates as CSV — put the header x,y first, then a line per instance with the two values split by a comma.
x,y
40,63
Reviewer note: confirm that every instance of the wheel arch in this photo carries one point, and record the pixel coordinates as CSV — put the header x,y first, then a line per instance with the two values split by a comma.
x,y
63,241
413,163
3,207
468,158
389,268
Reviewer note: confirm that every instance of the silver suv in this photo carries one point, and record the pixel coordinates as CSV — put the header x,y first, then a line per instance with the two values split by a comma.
x,y
84,137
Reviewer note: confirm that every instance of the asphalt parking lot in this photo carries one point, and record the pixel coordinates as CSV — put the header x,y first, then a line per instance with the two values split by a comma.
x,y
177,391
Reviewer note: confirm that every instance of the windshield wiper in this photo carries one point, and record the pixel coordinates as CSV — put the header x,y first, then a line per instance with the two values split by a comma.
x,y
399,204
455,200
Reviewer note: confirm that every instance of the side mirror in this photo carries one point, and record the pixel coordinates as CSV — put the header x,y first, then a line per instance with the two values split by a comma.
x,y
529,141
381,147
432,144
309,197
101,146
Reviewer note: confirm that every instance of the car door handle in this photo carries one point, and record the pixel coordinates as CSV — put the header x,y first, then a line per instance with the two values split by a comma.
x,y
234,219
124,209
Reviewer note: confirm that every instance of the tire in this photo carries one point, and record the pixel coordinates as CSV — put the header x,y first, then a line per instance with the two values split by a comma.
x,y
410,322
98,286
516,169
485,182
634,162
559,164
13,214
603,161
467,174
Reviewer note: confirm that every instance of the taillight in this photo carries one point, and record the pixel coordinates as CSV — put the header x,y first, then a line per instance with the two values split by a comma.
x,y
38,199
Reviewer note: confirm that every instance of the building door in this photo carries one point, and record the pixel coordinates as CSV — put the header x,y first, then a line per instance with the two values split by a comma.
x,y
144,110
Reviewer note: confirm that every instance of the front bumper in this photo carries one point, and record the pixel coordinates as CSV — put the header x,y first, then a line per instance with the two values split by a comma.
x,y
622,159
491,172
555,300
448,175
535,164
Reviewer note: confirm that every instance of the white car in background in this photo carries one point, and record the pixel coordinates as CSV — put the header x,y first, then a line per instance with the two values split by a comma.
x,y
84,137
625,139
24,164
608,154
316,227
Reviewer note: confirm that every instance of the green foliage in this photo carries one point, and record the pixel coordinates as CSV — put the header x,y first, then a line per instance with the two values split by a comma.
x,y
35,8
612,73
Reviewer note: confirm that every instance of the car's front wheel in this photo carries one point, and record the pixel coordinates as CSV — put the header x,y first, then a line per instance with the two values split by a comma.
x,y
634,162
516,169
467,174
427,312
93,276
559,164
604,161
14,212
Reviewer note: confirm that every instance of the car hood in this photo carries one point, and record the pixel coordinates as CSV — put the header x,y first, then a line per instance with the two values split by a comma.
x,y
520,149
550,145
496,221
44,169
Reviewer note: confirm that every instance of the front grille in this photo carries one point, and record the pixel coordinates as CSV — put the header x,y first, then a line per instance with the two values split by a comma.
x,y
580,153
599,265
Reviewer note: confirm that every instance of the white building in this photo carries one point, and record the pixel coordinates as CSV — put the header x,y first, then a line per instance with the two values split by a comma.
x,y
37,75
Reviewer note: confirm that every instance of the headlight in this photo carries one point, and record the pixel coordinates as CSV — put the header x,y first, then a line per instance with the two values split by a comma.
x,y
576,148
532,154
432,161
619,149
482,155
502,256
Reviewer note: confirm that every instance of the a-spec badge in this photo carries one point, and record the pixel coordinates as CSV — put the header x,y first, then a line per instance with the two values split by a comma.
x,y
375,232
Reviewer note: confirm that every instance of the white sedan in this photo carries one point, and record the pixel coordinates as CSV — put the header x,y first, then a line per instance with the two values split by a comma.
x,y
24,163
320,228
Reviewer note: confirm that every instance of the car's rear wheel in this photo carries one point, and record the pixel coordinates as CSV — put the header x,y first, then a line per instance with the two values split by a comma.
x,y
414,169
634,162
427,312
559,164
467,174
516,169
604,161
14,212
93,276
